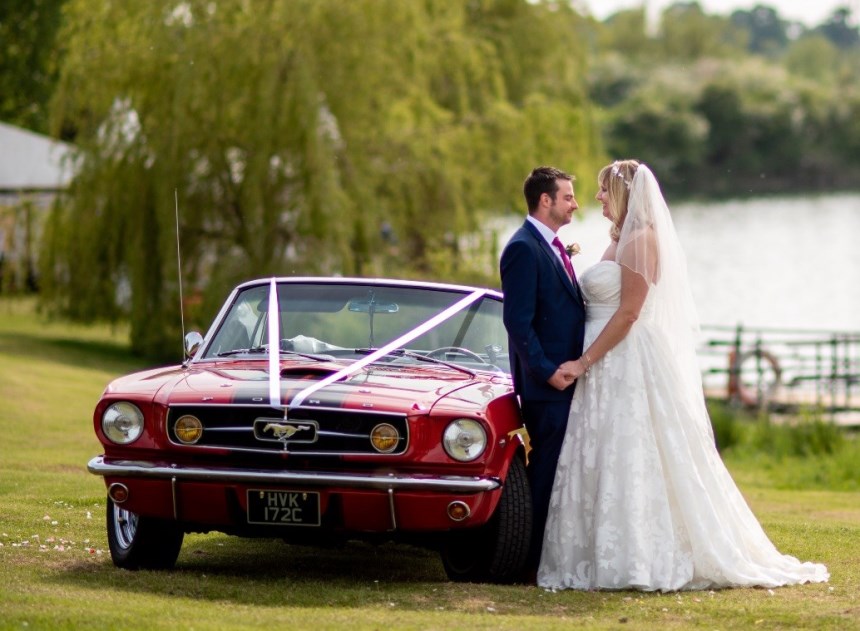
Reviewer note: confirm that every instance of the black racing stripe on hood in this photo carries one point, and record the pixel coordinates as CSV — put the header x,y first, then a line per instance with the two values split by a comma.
x,y
257,392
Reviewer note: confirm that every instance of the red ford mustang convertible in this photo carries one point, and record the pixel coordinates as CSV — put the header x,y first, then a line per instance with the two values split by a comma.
x,y
384,411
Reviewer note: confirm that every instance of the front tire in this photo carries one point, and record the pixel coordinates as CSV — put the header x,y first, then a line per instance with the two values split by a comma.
x,y
138,542
497,552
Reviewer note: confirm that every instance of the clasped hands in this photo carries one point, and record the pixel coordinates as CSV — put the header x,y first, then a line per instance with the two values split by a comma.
x,y
567,373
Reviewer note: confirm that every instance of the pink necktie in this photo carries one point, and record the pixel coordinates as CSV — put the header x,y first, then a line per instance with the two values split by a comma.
x,y
565,259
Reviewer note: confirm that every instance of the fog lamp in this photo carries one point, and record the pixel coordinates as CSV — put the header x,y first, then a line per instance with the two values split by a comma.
x,y
384,438
458,510
188,429
118,492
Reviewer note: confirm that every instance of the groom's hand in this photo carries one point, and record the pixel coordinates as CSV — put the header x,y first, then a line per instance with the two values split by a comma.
x,y
563,376
576,368
571,370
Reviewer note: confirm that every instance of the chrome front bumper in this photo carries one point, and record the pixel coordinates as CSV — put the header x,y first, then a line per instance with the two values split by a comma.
x,y
384,482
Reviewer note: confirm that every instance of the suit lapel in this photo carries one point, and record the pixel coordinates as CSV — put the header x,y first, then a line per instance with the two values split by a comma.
x,y
546,248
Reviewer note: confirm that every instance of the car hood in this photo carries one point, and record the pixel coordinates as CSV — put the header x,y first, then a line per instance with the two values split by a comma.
x,y
403,389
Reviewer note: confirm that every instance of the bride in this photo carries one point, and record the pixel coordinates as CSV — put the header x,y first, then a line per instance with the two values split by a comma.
x,y
641,498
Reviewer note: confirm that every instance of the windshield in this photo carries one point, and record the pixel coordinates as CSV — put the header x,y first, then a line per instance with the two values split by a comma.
x,y
344,321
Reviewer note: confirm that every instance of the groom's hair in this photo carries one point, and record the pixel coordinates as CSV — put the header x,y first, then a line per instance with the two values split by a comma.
x,y
542,180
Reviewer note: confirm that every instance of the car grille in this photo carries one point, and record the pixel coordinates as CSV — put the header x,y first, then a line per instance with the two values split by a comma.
x,y
324,431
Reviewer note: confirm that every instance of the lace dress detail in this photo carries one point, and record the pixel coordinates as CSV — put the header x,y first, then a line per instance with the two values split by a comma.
x,y
641,498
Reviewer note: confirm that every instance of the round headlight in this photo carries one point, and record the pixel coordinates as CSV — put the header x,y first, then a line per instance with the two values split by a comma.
x,y
122,422
384,438
464,440
188,429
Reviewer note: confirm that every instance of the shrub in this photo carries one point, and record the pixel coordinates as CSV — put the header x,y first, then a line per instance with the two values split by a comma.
x,y
806,436
725,421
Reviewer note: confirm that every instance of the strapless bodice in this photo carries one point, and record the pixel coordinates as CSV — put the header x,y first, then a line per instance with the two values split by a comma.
x,y
601,288
601,284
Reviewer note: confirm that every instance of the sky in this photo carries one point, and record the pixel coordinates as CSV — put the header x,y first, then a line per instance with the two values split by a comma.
x,y
809,12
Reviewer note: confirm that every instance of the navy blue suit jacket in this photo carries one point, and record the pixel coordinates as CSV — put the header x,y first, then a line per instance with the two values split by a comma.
x,y
544,314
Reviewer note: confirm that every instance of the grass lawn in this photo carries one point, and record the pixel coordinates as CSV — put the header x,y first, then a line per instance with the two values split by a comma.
x,y
56,573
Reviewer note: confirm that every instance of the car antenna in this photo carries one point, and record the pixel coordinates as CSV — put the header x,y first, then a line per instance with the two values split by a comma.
x,y
179,270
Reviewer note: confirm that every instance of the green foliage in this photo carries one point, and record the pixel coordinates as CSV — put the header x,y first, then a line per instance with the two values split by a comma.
x,y
839,472
291,136
28,60
810,55
754,131
802,452
766,32
726,423
807,436
726,106
626,33
838,29
657,124
688,33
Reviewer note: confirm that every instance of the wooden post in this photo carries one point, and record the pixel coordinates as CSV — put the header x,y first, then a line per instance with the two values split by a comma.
x,y
734,388
834,373
761,391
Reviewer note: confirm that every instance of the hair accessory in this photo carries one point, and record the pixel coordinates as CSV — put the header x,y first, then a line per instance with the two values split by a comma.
x,y
616,171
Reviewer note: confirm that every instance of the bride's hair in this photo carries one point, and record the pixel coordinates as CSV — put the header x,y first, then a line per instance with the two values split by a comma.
x,y
617,178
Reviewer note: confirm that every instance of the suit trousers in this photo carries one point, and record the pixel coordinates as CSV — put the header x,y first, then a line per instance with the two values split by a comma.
x,y
546,422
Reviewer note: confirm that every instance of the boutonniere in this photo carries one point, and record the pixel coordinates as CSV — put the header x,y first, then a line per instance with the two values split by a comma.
x,y
572,249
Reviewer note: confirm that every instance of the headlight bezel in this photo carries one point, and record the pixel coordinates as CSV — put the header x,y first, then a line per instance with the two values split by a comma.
x,y
465,439
122,422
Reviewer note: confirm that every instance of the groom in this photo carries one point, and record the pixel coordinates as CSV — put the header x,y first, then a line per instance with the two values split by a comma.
x,y
545,318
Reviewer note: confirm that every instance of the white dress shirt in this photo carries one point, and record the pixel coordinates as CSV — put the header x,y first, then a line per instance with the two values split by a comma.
x,y
547,233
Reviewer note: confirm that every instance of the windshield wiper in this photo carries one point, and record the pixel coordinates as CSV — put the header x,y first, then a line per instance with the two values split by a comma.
x,y
264,349
236,351
402,352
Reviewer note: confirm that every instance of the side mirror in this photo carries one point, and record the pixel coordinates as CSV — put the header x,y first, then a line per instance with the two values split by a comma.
x,y
193,340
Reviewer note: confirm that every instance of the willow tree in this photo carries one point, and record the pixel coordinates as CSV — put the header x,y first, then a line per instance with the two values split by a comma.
x,y
28,61
299,137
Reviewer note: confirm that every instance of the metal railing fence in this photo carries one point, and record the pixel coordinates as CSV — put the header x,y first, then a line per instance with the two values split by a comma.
x,y
783,369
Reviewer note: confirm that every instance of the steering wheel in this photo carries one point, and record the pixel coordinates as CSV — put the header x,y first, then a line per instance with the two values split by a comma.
x,y
459,350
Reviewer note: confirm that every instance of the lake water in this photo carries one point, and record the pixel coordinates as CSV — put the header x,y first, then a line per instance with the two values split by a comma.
x,y
790,262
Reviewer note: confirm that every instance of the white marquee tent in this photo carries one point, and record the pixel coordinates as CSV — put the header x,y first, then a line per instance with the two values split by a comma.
x,y
33,170
31,161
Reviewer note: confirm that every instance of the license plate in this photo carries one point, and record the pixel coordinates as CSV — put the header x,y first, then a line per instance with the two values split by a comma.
x,y
283,508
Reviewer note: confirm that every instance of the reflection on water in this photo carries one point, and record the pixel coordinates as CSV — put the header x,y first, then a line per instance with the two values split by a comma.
x,y
769,262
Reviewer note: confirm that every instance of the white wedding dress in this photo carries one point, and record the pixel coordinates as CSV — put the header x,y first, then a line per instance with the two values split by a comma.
x,y
641,498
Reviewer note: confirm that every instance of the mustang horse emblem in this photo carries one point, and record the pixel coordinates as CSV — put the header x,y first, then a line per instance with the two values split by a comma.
x,y
283,432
